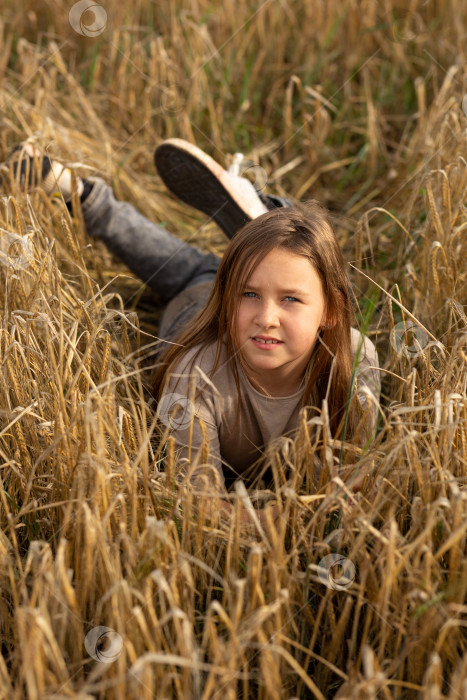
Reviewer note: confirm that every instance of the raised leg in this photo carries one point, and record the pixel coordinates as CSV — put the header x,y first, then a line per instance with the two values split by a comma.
x,y
164,262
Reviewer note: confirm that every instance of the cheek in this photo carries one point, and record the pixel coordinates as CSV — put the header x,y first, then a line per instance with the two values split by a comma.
x,y
305,329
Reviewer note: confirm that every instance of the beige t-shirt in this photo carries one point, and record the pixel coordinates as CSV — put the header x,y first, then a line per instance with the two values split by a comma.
x,y
234,448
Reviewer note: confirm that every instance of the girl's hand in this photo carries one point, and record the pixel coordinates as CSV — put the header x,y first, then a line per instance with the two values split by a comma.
x,y
268,517
347,474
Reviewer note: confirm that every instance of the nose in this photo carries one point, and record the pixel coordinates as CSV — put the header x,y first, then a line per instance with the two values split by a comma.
x,y
267,314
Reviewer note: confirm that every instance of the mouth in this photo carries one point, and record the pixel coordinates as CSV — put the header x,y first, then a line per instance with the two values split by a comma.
x,y
266,342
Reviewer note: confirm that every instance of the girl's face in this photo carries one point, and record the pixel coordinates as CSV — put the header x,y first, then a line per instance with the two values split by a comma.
x,y
283,301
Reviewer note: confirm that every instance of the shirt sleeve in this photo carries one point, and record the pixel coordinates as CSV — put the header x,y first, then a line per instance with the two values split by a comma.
x,y
190,408
367,374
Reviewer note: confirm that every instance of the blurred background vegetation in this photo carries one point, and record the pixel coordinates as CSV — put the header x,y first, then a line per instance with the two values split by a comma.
x,y
357,103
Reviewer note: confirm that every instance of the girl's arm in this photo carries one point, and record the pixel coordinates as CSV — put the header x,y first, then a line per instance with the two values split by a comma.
x,y
190,410
195,432
368,374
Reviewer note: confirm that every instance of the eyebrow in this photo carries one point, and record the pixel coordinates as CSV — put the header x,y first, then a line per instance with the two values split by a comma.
x,y
294,292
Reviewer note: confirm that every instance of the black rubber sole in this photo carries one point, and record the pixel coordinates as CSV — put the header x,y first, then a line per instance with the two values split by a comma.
x,y
26,168
192,181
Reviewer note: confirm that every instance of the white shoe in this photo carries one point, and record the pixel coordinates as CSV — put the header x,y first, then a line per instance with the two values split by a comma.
x,y
34,168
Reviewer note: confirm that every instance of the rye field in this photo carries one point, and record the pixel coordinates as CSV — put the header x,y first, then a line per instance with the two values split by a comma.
x,y
114,584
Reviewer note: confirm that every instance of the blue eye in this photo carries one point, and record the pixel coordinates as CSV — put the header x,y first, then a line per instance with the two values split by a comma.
x,y
252,295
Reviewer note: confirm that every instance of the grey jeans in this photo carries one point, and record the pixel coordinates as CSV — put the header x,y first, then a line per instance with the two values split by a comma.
x,y
181,274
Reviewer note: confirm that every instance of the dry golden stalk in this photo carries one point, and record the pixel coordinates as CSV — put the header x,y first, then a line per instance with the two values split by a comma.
x,y
332,84
128,432
105,358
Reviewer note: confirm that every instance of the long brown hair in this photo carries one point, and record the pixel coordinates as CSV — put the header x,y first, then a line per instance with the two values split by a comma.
x,y
305,231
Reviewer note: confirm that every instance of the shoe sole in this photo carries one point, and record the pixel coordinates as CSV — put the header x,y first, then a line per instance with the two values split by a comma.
x,y
26,166
198,180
